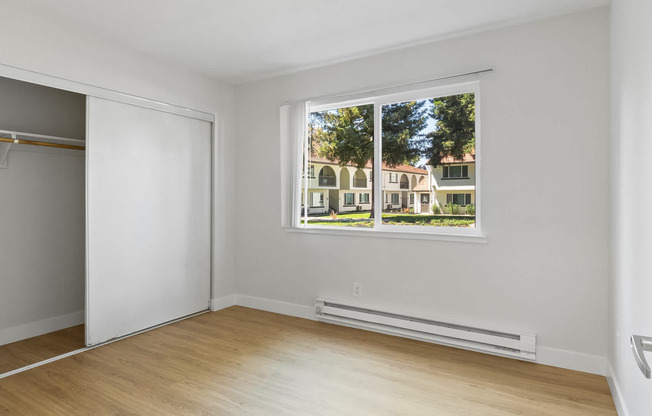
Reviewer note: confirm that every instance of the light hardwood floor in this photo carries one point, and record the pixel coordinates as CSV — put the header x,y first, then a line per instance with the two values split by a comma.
x,y
241,361
29,351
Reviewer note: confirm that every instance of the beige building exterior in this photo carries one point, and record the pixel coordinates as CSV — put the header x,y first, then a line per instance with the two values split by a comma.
x,y
454,182
332,187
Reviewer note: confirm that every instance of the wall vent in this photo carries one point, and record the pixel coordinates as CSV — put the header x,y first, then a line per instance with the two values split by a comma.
x,y
504,343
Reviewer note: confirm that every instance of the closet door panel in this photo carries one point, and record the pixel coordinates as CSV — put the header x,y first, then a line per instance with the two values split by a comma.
x,y
149,221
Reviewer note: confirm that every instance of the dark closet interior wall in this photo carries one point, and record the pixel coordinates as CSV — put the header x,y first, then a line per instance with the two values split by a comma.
x,y
42,206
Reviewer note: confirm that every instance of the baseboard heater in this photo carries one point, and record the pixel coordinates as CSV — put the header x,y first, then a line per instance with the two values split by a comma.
x,y
509,344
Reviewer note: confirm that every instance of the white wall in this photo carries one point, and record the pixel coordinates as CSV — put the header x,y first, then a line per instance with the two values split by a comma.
x,y
631,291
33,44
545,150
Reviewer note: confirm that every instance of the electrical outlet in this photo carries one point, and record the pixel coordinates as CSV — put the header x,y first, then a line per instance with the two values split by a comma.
x,y
357,289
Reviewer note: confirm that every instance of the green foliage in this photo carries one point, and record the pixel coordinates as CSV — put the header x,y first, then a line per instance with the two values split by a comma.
x,y
436,209
470,209
346,134
402,126
455,133
453,209
428,220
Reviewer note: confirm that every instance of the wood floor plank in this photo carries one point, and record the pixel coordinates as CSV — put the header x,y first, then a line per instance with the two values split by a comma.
x,y
32,350
241,361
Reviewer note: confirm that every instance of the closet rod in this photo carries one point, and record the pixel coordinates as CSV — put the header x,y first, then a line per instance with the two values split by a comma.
x,y
36,143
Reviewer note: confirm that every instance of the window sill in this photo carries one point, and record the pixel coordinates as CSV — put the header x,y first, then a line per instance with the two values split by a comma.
x,y
405,235
453,179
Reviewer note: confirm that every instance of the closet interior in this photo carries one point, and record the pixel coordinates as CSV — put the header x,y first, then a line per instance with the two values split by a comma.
x,y
43,227
106,229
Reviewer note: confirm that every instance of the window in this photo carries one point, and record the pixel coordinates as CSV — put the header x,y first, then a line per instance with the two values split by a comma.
x,y
317,199
456,172
359,179
311,171
458,199
405,183
327,176
409,136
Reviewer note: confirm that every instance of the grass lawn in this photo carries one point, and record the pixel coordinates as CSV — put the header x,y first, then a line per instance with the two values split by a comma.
x,y
345,215
358,224
357,219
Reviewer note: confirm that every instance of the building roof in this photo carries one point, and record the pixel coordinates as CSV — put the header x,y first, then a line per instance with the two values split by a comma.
x,y
449,160
399,168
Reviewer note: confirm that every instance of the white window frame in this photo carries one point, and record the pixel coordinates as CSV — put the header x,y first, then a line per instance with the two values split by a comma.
x,y
447,170
321,199
406,231
352,202
465,194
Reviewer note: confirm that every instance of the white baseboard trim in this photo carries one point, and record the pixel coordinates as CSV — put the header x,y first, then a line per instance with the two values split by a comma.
x,y
33,329
284,308
223,302
615,391
572,360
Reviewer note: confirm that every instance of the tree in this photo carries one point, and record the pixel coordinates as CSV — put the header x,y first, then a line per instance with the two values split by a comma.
x,y
402,125
454,135
346,135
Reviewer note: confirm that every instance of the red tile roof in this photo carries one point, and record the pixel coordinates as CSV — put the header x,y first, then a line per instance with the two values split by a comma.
x,y
449,160
399,168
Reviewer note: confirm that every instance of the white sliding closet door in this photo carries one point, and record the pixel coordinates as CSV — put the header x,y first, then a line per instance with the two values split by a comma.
x,y
149,221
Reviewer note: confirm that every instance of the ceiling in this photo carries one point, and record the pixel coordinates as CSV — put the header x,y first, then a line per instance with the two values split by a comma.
x,y
240,41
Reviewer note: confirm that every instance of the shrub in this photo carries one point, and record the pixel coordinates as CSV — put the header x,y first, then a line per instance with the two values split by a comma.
x,y
436,209
453,209
470,209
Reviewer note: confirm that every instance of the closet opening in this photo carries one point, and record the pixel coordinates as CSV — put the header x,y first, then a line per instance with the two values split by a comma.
x,y
43,233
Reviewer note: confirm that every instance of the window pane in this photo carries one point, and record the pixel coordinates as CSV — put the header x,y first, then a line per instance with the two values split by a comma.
x,y
341,149
434,140
455,171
